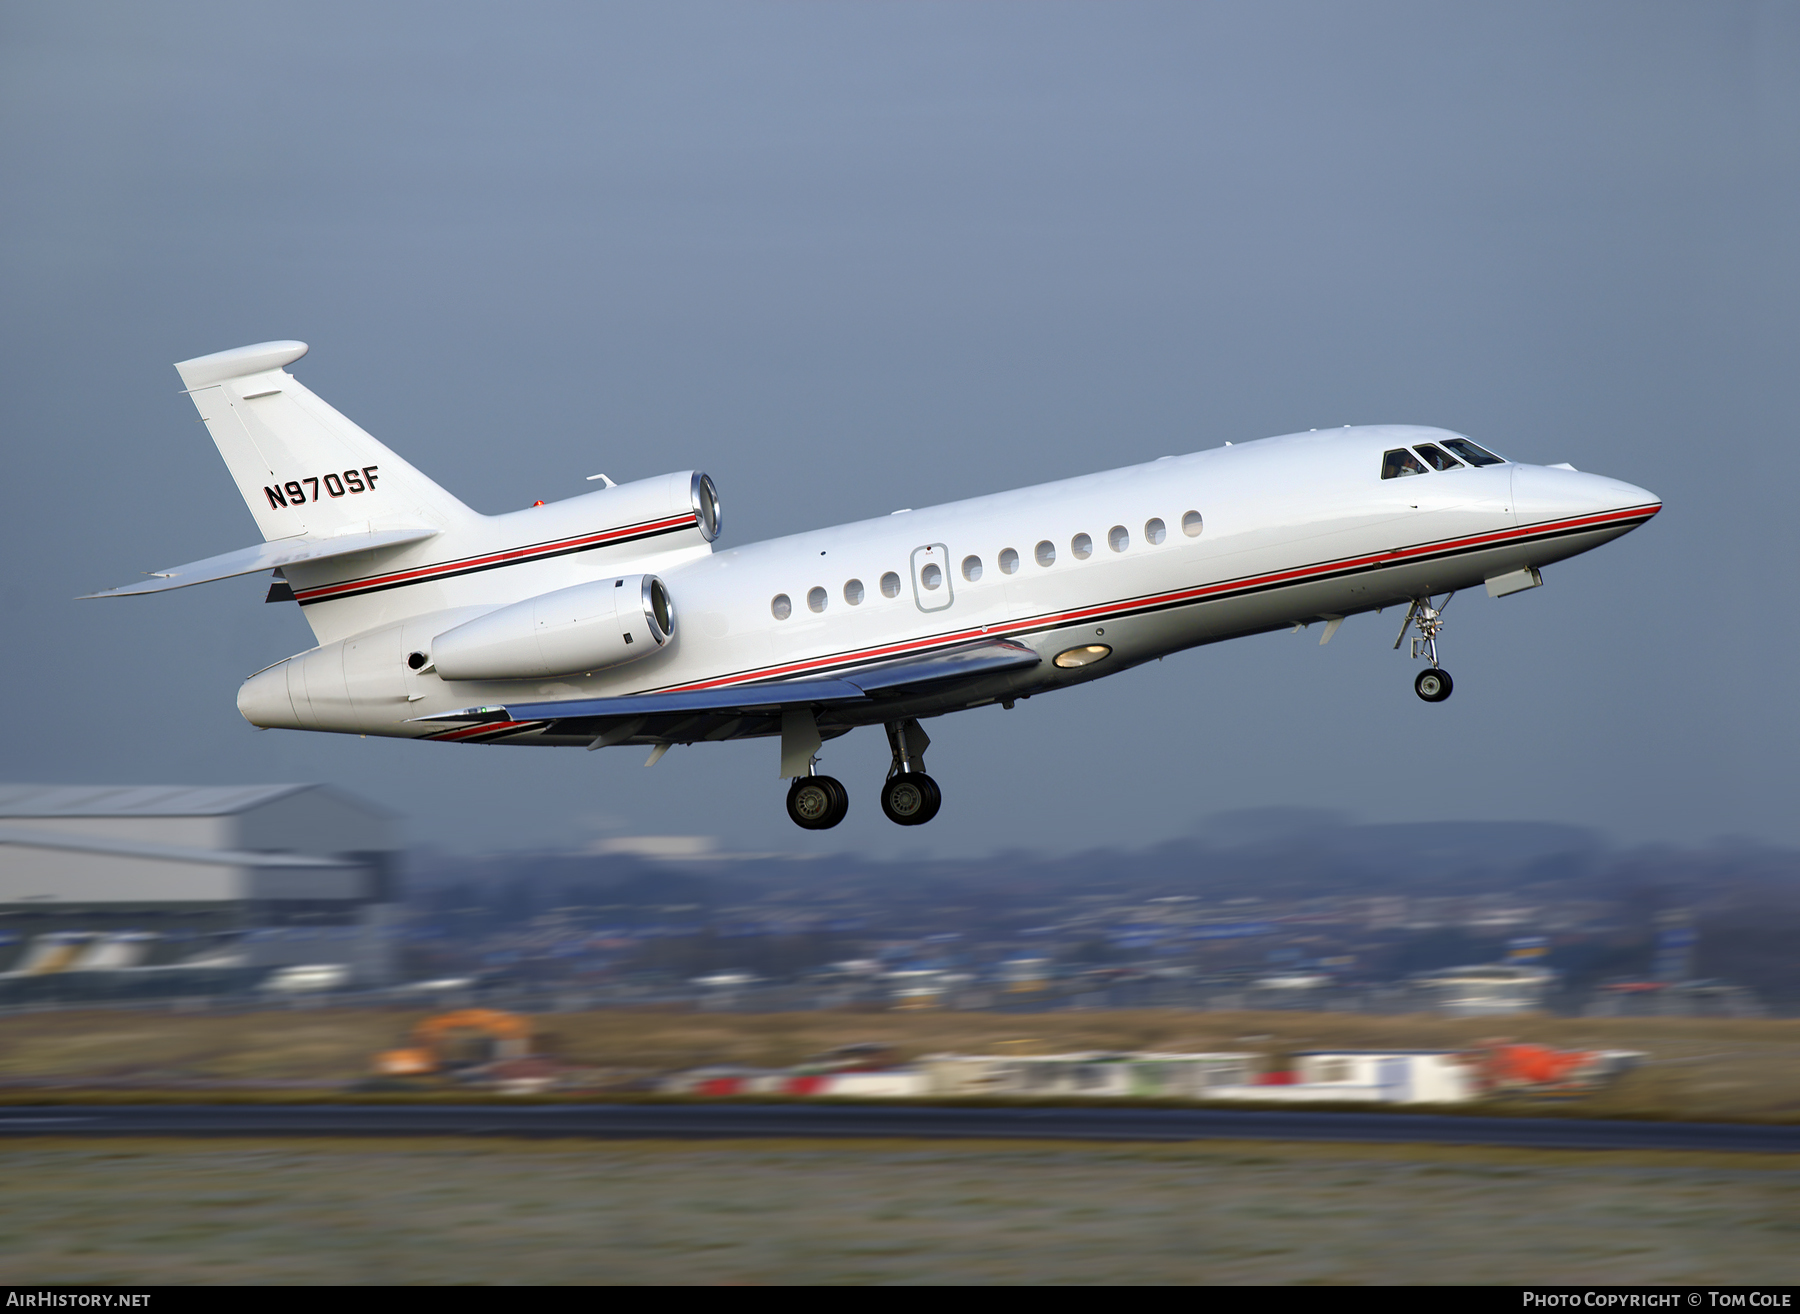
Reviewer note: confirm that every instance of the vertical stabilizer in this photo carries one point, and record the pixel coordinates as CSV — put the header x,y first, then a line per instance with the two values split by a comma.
x,y
303,468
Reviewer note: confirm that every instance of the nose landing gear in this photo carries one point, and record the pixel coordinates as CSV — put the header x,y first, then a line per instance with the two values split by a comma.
x,y
909,797
1433,683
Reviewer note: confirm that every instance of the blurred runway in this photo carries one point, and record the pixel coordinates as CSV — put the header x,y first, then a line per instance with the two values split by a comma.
x,y
719,1121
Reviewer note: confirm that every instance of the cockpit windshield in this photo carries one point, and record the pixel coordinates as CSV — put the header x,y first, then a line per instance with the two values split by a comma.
x,y
1437,458
1473,454
1400,462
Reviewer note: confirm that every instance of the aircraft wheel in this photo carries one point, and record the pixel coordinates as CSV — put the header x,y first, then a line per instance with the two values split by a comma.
x,y
817,802
1433,684
841,807
911,799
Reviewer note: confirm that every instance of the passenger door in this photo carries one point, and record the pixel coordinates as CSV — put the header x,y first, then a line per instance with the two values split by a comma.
x,y
931,577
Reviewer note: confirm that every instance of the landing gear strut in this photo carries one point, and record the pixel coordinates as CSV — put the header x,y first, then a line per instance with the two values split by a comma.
x,y
1433,683
909,797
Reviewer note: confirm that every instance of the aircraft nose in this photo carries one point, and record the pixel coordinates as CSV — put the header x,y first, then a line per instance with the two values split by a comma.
x,y
1544,493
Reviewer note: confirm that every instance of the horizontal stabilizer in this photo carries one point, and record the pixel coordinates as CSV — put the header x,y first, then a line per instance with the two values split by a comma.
x,y
268,556
931,669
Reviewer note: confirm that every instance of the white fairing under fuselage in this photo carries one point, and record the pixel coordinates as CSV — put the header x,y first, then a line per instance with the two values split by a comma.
x,y
1140,562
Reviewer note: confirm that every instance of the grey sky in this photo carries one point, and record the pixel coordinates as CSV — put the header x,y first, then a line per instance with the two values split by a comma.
x,y
852,258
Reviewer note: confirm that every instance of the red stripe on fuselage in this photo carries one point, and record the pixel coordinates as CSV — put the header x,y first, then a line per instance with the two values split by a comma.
x,y
471,731
512,556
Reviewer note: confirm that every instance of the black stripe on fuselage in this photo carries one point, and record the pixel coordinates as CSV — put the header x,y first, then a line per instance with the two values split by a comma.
x,y
453,570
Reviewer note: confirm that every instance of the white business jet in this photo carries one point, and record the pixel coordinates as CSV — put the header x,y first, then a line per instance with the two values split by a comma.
x,y
609,619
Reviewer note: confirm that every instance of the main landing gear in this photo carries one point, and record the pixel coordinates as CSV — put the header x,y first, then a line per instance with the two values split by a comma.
x,y
1433,683
911,800
909,797
817,802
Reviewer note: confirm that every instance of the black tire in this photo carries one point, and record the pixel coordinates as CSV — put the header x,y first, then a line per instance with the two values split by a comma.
x,y
911,799
1433,684
817,802
841,808
936,800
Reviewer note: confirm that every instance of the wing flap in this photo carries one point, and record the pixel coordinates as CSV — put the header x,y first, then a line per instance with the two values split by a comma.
x,y
267,556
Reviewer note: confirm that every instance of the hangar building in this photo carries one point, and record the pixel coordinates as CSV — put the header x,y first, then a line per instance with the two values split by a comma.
x,y
179,889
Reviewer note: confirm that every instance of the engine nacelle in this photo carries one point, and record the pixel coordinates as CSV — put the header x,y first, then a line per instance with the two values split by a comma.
x,y
584,628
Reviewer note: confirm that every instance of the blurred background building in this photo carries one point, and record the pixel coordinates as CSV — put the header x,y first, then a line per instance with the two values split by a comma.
x,y
110,891
254,892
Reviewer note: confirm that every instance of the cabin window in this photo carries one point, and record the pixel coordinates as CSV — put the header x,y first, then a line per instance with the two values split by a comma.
x,y
816,598
1399,463
1437,458
1192,524
1118,538
1472,453
890,585
971,568
780,607
932,577
1155,531
1009,562
1082,546
853,592
1046,553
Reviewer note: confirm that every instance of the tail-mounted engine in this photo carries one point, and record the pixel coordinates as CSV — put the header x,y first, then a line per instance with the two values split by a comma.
x,y
567,632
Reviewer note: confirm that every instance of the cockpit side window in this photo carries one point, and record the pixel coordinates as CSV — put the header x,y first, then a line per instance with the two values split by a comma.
x,y
1437,458
1471,453
1400,462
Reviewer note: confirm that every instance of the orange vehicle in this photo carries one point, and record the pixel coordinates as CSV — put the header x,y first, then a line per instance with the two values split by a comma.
x,y
1503,1065
449,1042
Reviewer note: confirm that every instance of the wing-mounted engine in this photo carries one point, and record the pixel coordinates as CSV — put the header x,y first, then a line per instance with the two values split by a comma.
x,y
585,628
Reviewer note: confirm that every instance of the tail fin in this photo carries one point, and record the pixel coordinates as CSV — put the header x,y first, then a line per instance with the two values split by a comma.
x,y
302,467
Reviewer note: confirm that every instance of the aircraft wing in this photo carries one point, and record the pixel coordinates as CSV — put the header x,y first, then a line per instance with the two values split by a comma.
x,y
948,666
267,556
900,674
